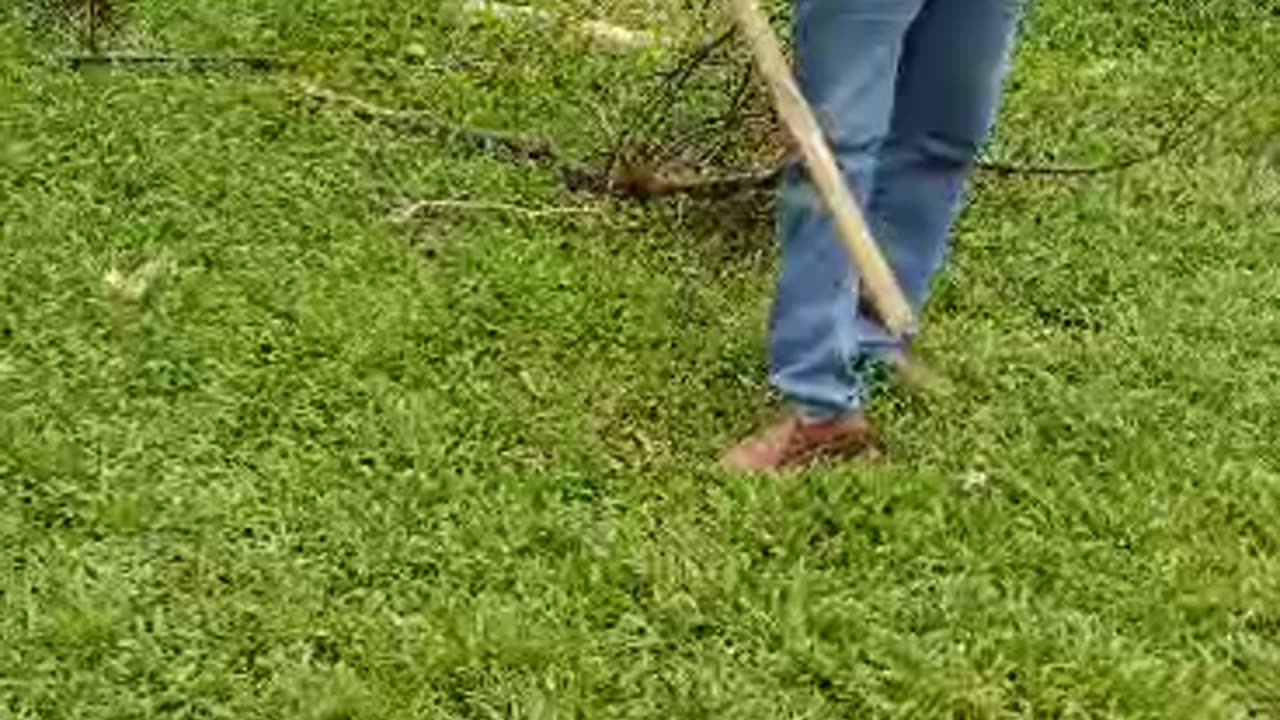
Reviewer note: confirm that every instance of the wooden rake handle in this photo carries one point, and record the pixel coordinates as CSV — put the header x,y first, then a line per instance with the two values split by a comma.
x,y
881,286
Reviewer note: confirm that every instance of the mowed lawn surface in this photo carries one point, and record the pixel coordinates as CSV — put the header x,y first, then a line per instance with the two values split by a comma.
x,y
332,466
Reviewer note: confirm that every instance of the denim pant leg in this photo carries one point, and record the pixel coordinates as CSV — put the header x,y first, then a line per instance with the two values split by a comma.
x,y
847,56
907,89
949,83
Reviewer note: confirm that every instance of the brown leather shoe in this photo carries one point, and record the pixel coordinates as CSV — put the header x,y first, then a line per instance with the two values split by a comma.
x,y
794,443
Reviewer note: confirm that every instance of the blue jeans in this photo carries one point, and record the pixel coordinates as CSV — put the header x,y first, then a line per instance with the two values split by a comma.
x,y
907,91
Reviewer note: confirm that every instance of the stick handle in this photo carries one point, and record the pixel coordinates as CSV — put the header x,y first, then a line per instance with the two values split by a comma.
x,y
881,285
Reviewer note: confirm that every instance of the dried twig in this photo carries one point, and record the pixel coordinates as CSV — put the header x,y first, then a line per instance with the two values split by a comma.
x,y
1181,132
605,33
661,100
639,185
408,212
520,145
619,178
176,62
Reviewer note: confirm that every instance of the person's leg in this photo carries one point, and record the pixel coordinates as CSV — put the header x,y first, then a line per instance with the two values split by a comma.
x,y
949,83
847,59
908,90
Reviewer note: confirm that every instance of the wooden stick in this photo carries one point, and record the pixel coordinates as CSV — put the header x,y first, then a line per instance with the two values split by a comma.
x,y
880,284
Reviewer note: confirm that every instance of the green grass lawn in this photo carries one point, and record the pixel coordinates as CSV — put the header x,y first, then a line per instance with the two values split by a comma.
x,y
333,466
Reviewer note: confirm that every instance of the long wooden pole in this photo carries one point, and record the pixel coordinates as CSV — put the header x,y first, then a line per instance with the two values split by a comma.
x,y
882,287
